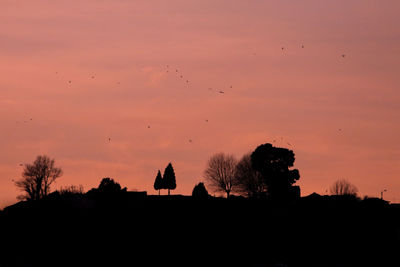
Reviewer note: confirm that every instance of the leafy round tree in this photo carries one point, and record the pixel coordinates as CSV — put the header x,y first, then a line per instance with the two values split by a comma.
x,y
158,183
169,178
200,191
108,185
273,163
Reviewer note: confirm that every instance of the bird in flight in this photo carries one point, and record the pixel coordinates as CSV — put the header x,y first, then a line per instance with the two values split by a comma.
x,y
302,46
190,140
343,55
109,139
221,92
69,81
148,126
206,120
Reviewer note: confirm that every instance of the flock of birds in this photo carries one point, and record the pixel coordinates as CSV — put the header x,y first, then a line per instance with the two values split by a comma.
x,y
178,74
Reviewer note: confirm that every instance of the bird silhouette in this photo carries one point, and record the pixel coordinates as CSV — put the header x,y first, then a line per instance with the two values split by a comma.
x,y
109,139
206,120
343,55
148,127
302,46
221,92
69,81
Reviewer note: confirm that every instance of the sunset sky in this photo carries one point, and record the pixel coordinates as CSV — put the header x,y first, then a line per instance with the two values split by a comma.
x,y
86,71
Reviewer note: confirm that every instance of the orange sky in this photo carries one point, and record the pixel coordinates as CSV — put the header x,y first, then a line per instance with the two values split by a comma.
x,y
302,95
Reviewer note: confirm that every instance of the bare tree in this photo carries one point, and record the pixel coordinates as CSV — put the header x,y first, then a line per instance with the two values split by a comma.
x,y
343,187
71,190
37,178
220,173
249,181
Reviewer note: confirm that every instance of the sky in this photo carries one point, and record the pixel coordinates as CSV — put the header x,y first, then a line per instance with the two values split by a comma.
x,y
318,77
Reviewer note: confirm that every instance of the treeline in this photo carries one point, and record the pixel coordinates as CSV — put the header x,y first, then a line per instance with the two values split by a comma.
x,y
264,173
267,172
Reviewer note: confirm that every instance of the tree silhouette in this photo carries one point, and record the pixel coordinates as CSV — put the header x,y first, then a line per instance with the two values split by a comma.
x,y
158,183
343,188
200,191
108,185
249,181
71,190
220,173
273,163
37,178
169,180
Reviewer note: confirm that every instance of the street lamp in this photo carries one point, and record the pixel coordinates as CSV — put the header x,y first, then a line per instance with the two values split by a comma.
x,y
384,190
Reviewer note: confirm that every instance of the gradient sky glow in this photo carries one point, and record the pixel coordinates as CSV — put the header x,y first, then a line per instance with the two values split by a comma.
x,y
298,95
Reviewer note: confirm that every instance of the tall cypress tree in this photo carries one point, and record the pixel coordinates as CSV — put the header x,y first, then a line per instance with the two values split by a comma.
x,y
158,183
169,178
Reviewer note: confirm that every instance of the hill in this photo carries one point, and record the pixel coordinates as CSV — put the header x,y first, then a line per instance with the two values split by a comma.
x,y
128,228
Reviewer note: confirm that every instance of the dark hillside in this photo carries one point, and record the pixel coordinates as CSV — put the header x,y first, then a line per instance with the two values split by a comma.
x,y
129,228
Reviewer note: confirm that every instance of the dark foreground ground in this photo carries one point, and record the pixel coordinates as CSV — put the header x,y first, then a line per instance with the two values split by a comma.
x,y
137,230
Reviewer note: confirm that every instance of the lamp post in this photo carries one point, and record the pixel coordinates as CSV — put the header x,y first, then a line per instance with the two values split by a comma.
x,y
384,190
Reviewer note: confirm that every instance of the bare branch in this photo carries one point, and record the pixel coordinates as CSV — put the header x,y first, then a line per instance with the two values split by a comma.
x,y
220,173
37,178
